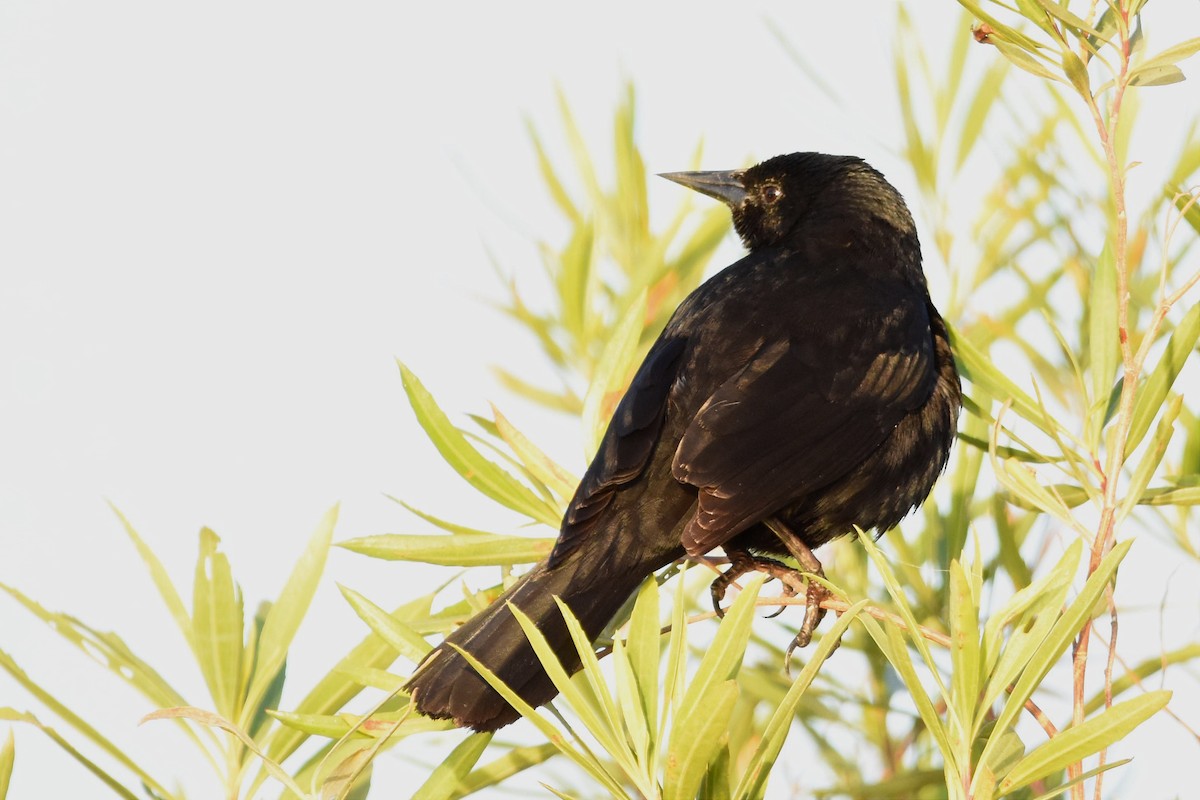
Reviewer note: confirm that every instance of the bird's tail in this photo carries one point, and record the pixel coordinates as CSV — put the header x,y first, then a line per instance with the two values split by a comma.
x,y
594,586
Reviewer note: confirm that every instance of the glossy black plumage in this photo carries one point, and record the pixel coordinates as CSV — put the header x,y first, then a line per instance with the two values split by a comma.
x,y
810,383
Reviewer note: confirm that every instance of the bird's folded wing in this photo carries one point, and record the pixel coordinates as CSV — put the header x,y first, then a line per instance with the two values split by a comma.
x,y
787,424
626,446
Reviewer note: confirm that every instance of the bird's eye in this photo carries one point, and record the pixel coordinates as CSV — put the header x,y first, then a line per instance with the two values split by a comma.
x,y
772,193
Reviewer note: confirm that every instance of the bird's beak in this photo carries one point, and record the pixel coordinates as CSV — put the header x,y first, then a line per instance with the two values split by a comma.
x,y
726,186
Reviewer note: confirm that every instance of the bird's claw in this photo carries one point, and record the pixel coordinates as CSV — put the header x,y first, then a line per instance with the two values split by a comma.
x,y
814,595
741,563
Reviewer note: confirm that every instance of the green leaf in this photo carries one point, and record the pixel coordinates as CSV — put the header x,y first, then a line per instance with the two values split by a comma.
x,y
644,647
561,198
1056,642
612,373
1057,792
1153,394
351,778
1135,676
982,371
581,757
514,761
8,754
1172,55
723,658
106,649
1104,347
1022,59
453,550
217,721
1148,465
964,646
696,737
1156,76
1089,737
447,778
286,614
162,581
540,465
891,644
399,636
478,471
983,100
218,625
12,715
1031,612
1077,25
753,782
334,690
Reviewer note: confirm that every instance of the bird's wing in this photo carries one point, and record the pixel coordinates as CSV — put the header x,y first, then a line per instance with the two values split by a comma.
x,y
626,445
790,422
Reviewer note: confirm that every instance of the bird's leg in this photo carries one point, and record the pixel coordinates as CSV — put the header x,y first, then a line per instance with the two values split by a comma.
x,y
815,594
740,563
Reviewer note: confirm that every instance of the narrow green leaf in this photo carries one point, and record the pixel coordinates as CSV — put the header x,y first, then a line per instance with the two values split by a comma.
x,y
612,373
403,639
594,709
217,721
1077,25
544,468
1151,666
557,191
514,761
1153,394
1080,741
1156,76
218,623
1031,612
106,649
1057,640
481,473
1148,465
453,550
901,602
287,612
1104,348
1022,59
1172,55
335,689
1057,792
964,647
351,778
753,782
982,371
696,737
983,100
448,777
162,581
580,757
891,644
723,658
1187,205
645,650
8,755
592,680
12,715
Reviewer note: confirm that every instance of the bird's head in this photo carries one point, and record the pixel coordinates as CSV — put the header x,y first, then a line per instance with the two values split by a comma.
x,y
798,193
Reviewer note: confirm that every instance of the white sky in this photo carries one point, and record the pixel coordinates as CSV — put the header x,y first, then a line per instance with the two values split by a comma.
x,y
221,222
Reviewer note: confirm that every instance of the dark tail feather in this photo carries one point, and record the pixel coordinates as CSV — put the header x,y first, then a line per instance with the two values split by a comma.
x,y
594,586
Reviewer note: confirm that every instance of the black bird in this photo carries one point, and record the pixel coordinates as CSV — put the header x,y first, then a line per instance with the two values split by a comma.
x,y
801,391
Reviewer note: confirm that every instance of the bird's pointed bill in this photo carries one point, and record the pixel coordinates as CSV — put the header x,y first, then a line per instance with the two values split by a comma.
x,y
726,186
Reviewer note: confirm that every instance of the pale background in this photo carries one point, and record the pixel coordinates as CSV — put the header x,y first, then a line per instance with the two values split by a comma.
x,y
221,222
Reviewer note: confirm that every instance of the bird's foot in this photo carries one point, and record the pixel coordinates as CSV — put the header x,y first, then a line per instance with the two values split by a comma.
x,y
814,595
741,563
